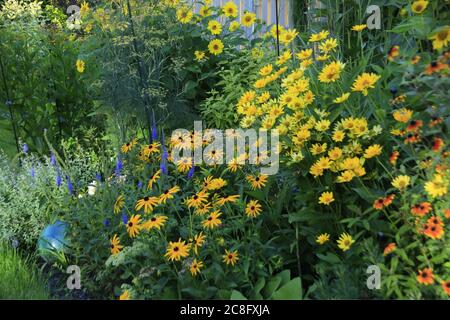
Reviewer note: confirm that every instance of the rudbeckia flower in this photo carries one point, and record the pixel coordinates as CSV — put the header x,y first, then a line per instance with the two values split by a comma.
x,y
253,209
230,257
133,225
213,220
148,203
177,250
115,245
155,222
195,267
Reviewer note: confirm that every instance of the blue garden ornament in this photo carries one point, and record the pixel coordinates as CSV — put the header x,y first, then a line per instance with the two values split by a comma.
x,y
52,240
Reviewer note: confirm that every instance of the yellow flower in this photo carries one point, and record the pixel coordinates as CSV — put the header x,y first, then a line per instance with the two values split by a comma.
x,y
118,205
230,257
155,222
153,179
372,151
115,245
323,57
364,82
331,72
306,63
199,55
322,238
248,19
213,220
441,38
402,115
134,225
326,198
214,27
257,182
287,36
198,241
322,125
342,98
359,27
328,45
437,187
283,58
84,8
148,203
184,14
80,65
338,136
266,70
195,267
215,47
345,241
230,10
304,54
235,25
177,250
197,200
253,209
318,148
273,31
128,146
346,176
419,6
125,295
205,11
335,153
401,182
319,36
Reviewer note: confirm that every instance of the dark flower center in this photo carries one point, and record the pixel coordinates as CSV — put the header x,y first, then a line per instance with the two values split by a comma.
x,y
146,199
195,197
230,256
176,249
130,224
153,219
252,208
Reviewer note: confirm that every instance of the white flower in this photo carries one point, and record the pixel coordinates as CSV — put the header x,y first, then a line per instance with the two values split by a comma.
x,y
92,188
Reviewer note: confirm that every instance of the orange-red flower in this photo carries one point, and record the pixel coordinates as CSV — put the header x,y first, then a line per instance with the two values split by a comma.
x,y
435,121
435,221
381,203
414,125
393,52
393,158
446,287
435,67
425,276
412,138
434,231
421,209
447,213
437,144
389,248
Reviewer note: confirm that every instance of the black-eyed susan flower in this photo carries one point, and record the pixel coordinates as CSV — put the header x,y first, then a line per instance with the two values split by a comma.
x,y
253,209
119,204
248,19
197,200
326,198
364,82
115,245
401,182
373,151
153,179
257,182
177,250
150,149
322,238
213,220
230,10
198,241
425,276
184,164
230,257
195,267
155,222
128,146
215,47
227,199
134,225
125,295
80,65
168,194
389,248
345,241
148,203
203,209
419,6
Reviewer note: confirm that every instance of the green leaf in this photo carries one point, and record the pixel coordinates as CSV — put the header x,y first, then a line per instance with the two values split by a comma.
x,y
236,295
290,291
